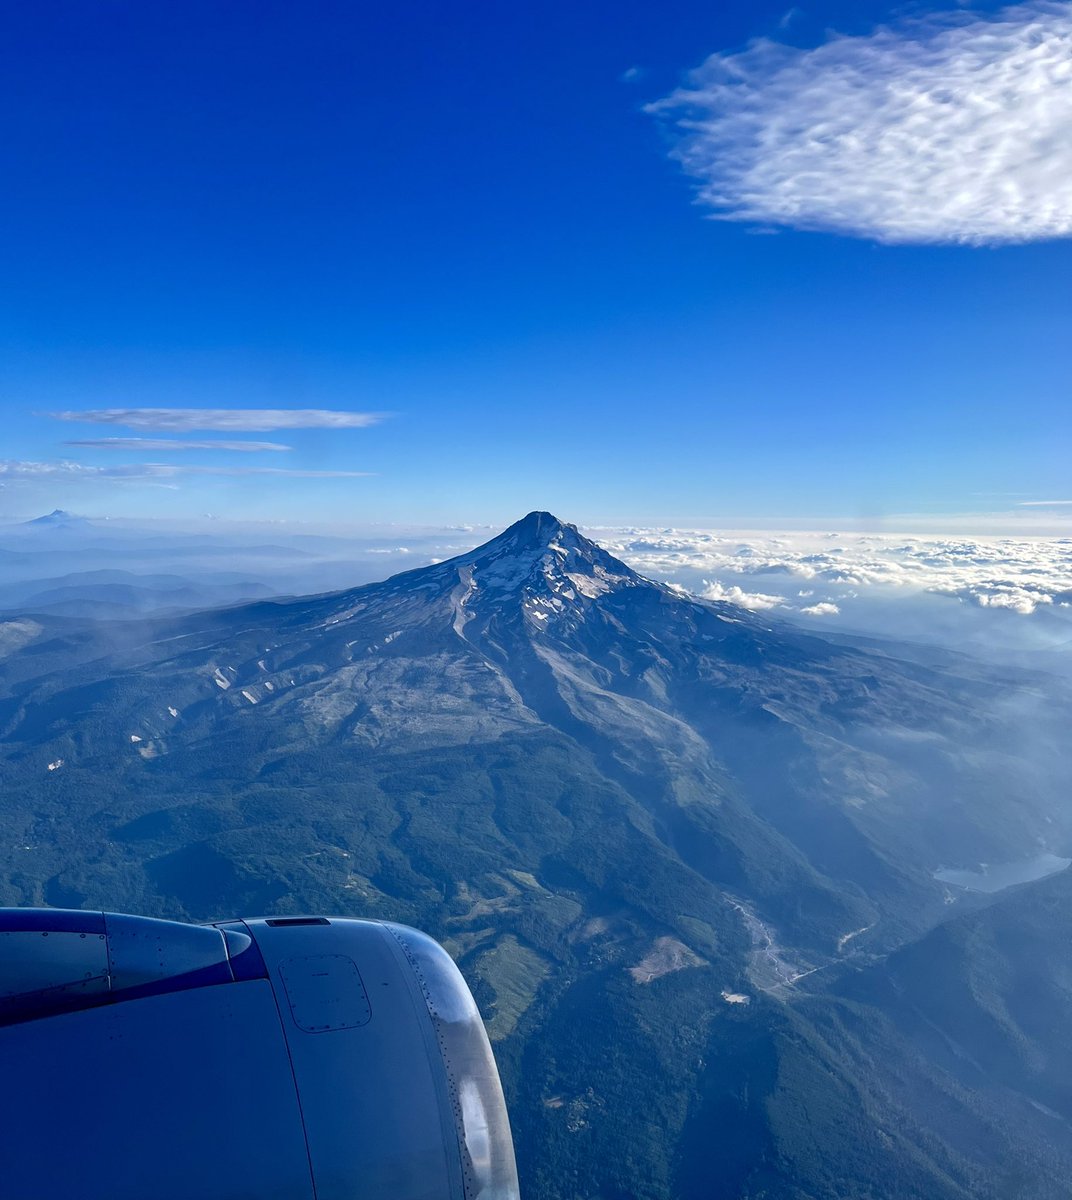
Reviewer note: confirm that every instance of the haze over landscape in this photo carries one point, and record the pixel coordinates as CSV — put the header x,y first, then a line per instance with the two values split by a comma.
x,y
592,483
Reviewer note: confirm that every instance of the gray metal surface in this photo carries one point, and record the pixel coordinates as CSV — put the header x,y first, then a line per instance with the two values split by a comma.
x,y
32,960
277,1059
142,950
475,1092
187,1096
373,1095
325,992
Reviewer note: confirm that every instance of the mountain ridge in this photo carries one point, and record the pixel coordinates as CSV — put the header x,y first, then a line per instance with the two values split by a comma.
x,y
617,804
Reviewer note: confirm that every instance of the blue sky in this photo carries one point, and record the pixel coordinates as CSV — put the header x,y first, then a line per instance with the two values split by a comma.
x,y
489,227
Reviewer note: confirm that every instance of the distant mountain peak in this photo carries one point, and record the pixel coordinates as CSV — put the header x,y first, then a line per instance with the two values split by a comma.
x,y
58,516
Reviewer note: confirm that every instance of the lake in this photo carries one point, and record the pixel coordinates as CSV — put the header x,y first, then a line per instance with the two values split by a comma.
x,y
993,877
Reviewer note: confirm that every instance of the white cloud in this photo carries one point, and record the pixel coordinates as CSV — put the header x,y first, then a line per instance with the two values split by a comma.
x,y
1018,599
757,601
951,128
822,609
153,445
1019,574
64,470
1022,596
227,419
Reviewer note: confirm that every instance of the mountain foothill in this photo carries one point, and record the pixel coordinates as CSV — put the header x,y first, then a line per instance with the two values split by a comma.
x,y
689,857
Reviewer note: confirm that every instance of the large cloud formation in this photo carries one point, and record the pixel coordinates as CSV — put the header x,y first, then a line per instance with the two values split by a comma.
x,y
818,571
953,128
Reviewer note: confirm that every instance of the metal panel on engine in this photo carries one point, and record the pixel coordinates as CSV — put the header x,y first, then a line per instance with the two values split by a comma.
x,y
325,992
377,1116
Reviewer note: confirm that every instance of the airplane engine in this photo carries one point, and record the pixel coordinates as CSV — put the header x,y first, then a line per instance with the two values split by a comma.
x,y
270,1059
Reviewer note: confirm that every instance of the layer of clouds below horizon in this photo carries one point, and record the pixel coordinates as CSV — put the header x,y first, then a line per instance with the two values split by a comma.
x,y
999,597
1020,575
992,596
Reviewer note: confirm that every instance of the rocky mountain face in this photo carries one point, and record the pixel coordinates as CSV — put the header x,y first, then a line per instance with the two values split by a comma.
x,y
655,831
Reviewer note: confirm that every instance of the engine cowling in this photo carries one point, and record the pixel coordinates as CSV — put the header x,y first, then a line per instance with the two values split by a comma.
x,y
273,1058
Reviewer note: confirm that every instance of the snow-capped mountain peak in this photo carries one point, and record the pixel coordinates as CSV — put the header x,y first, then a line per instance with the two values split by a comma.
x,y
542,559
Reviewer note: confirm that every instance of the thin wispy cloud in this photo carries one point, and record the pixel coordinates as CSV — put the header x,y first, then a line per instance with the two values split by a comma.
x,y
952,128
236,420
153,445
15,470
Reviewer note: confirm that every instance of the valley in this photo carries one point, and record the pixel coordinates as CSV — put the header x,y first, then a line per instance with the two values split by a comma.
x,y
667,840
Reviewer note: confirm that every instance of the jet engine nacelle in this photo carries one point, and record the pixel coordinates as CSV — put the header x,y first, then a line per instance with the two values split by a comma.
x,y
273,1059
